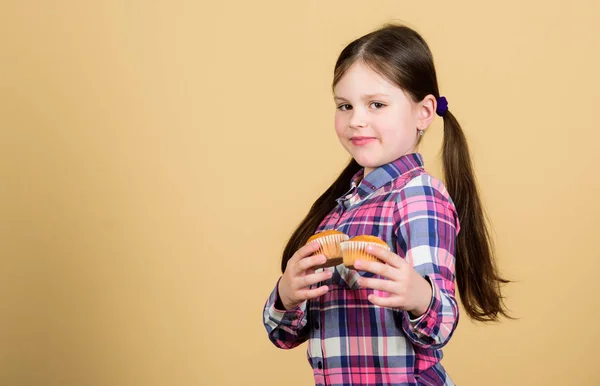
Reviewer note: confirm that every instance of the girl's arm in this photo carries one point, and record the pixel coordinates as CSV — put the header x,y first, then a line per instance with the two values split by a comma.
x,y
286,329
285,315
427,226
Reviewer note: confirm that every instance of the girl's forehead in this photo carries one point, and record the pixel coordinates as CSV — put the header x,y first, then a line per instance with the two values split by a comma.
x,y
362,80
362,71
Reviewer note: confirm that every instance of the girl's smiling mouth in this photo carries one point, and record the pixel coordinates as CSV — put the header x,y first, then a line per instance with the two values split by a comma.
x,y
361,141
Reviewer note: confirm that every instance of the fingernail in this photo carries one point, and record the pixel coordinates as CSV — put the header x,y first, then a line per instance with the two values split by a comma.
x,y
358,263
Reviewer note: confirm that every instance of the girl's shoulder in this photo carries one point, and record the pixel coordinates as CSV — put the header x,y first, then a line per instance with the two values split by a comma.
x,y
422,184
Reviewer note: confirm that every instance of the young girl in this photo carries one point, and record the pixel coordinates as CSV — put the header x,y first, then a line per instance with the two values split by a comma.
x,y
385,323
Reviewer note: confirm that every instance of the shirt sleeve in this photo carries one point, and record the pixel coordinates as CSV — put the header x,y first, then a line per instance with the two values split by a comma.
x,y
426,230
286,328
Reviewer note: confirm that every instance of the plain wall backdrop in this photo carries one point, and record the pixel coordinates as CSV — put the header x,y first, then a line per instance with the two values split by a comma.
x,y
155,156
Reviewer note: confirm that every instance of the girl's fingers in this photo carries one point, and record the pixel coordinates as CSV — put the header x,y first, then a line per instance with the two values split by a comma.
x,y
386,256
377,284
308,280
309,262
377,268
313,293
390,302
305,251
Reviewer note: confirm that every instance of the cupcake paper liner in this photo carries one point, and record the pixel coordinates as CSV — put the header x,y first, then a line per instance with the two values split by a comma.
x,y
355,250
330,247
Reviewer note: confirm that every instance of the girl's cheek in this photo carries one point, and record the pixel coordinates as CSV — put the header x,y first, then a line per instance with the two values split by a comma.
x,y
339,123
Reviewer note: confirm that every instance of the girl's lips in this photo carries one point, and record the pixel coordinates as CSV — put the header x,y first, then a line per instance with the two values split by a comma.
x,y
361,141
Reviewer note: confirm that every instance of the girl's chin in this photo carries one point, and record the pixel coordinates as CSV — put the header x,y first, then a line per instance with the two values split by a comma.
x,y
367,162
375,159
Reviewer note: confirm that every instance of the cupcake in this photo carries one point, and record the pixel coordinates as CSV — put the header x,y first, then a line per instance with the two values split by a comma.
x,y
330,246
355,249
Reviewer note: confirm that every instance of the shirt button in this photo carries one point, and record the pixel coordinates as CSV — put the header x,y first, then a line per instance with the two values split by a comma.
x,y
320,365
372,188
316,325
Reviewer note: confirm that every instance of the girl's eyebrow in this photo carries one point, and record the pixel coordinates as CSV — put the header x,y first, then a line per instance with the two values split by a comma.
x,y
366,96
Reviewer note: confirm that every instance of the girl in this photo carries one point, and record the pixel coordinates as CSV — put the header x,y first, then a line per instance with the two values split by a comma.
x,y
385,323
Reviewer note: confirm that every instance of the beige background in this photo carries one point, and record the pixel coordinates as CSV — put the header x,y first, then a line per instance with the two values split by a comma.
x,y
155,156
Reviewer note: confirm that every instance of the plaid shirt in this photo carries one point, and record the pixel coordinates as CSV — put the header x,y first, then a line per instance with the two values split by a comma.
x,y
350,340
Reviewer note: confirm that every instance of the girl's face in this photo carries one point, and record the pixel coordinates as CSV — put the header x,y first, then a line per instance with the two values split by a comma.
x,y
375,120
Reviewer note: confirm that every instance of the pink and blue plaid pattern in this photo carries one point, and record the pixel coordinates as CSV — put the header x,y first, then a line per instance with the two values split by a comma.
x,y
350,340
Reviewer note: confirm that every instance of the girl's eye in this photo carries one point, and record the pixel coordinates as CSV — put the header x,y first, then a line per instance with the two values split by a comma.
x,y
376,105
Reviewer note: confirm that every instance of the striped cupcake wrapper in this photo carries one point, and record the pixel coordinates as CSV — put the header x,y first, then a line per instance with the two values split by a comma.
x,y
356,250
330,245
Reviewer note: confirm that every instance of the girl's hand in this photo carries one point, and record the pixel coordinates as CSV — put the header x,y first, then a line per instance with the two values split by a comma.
x,y
300,274
407,290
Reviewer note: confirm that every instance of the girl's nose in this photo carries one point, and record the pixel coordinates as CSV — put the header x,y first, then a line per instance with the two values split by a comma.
x,y
358,119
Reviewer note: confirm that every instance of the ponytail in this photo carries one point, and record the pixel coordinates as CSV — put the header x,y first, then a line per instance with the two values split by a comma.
x,y
476,272
318,211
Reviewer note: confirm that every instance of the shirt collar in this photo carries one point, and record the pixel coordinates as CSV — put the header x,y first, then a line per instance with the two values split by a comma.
x,y
384,174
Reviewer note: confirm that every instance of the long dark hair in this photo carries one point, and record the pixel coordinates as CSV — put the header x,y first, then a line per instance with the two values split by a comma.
x,y
400,55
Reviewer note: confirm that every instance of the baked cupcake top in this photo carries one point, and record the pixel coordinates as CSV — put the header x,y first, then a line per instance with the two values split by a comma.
x,y
369,239
324,233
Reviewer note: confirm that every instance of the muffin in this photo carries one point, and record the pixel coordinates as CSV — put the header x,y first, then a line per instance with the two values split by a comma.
x,y
329,241
354,249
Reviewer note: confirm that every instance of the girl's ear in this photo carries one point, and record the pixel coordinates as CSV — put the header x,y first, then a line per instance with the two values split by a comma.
x,y
426,112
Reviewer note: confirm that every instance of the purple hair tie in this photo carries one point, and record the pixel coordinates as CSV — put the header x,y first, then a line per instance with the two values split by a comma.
x,y
442,106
